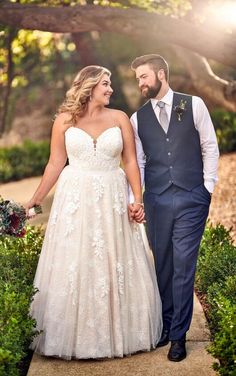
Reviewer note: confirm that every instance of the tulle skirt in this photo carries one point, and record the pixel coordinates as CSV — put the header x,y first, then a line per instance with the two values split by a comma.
x,y
98,295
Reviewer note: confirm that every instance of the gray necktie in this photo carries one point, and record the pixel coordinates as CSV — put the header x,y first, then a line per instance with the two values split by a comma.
x,y
163,116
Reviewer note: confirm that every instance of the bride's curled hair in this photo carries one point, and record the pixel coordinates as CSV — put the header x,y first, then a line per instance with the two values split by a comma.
x,y
78,96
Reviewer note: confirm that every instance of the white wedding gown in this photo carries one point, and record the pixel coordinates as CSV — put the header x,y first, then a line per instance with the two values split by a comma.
x,y
98,295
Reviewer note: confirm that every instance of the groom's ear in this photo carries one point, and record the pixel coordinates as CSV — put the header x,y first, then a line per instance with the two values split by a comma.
x,y
161,75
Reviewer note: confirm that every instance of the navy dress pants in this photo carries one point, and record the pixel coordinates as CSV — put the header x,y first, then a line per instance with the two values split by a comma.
x,y
175,224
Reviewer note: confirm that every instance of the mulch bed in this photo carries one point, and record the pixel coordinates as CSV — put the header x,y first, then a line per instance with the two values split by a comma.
x,y
223,204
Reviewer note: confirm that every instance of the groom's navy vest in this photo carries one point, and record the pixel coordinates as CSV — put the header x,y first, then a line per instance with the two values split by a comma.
x,y
172,158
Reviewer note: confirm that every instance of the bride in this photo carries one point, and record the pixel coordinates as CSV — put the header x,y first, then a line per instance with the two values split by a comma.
x,y
98,295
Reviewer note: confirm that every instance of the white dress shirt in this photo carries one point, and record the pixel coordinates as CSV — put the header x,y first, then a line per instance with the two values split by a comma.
x,y
208,141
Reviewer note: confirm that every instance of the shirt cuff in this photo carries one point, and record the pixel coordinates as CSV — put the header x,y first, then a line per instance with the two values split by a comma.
x,y
209,185
130,196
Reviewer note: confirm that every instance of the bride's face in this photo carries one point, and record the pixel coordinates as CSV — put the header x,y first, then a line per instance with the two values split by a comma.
x,y
103,91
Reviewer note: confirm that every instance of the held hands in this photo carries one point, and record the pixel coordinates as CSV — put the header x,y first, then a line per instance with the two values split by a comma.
x,y
136,212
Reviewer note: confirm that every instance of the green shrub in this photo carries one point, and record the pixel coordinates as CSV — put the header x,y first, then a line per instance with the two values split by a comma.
x,y
224,344
215,292
18,262
217,257
225,125
216,280
23,161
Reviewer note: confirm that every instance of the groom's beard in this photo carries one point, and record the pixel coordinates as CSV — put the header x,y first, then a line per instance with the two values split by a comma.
x,y
152,91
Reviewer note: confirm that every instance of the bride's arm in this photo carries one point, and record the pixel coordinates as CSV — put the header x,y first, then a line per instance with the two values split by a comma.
x,y
130,164
55,163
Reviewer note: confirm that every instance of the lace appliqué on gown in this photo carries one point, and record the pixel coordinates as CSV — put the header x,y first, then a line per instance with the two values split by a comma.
x,y
98,295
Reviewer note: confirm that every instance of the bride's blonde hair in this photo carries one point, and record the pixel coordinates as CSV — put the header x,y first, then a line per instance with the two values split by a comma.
x,y
78,96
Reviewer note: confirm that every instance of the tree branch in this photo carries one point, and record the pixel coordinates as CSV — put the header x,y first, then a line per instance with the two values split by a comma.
x,y
211,43
217,91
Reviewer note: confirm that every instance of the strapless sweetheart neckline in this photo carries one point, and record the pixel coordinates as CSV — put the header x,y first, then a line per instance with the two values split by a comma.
x,y
91,137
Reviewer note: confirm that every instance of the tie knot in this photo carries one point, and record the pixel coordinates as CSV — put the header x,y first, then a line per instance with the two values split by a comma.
x,y
161,104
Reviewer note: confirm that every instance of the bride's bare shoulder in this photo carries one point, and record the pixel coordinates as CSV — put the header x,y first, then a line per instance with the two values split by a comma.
x,y
62,122
119,115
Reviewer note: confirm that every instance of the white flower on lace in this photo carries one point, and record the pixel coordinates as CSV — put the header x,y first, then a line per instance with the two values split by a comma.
x,y
90,293
73,198
103,285
98,243
98,212
71,275
142,336
73,204
120,272
98,186
90,323
70,208
119,203
130,272
69,227
54,218
136,231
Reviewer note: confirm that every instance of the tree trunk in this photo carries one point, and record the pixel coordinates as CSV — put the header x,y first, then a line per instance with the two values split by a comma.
x,y
85,48
10,73
211,43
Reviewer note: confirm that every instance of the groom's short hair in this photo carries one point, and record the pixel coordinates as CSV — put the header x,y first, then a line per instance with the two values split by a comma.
x,y
155,61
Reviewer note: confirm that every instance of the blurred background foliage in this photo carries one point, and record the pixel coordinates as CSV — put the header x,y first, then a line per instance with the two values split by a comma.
x,y
36,69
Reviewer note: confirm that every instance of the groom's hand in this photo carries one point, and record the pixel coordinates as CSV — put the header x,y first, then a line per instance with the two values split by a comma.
x,y
136,212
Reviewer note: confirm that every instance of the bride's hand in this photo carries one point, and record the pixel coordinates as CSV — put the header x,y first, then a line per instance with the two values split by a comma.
x,y
29,206
137,212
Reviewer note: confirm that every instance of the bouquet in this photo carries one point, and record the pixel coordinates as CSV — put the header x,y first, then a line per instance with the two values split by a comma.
x,y
13,218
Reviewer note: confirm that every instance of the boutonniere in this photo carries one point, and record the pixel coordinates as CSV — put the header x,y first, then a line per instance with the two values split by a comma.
x,y
180,109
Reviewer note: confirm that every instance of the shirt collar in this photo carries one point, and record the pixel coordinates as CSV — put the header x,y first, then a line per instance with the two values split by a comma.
x,y
167,99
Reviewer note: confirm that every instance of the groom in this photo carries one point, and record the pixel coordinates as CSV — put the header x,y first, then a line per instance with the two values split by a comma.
x,y
177,154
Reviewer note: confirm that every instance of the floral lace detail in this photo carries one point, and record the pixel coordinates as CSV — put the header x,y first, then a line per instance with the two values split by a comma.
x,y
136,231
80,150
119,203
98,185
69,226
141,336
103,287
90,323
54,218
98,212
98,243
120,272
72,206
71,275
130,272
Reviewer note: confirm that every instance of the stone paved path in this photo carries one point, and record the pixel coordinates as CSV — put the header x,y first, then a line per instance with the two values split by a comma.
x,y
155,363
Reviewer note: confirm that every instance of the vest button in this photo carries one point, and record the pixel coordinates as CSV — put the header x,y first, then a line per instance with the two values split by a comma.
x,y
169,153
167,139
171,167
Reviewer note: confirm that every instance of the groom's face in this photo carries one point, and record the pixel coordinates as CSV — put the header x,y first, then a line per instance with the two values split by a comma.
x,y
148,81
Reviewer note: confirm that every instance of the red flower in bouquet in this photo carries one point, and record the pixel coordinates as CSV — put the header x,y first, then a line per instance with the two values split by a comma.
x,y
21,234
15,221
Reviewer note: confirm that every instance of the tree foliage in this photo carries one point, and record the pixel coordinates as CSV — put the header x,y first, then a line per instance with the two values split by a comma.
x,y
44,59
